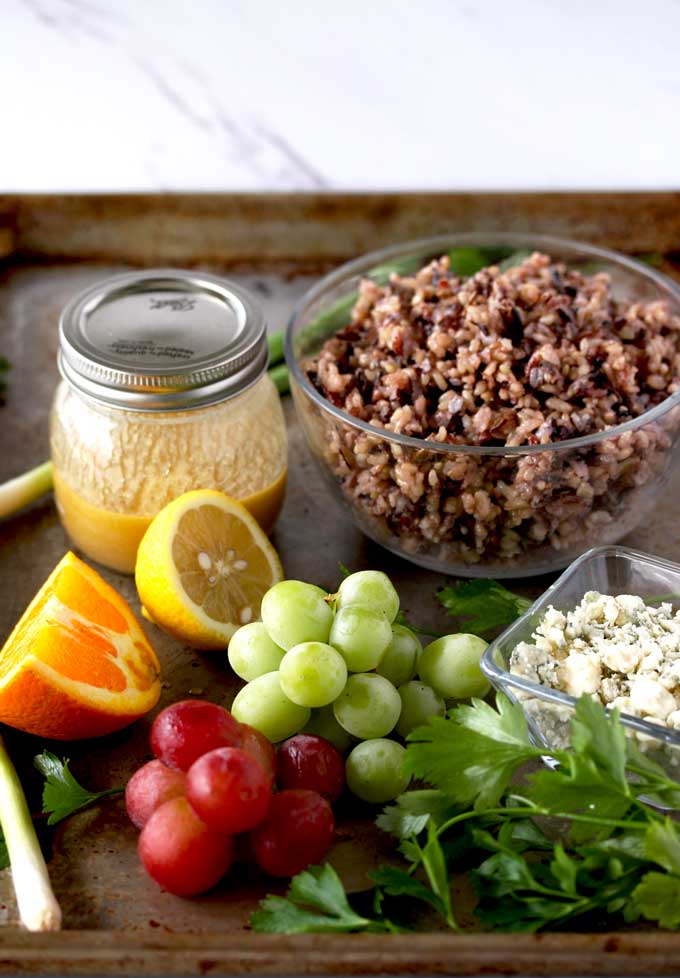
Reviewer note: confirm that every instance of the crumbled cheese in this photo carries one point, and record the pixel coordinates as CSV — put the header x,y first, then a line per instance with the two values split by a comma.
x,y
619,650
580,673
649,697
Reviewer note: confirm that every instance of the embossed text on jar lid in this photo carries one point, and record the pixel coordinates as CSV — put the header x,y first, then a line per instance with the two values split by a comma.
x,y
162,340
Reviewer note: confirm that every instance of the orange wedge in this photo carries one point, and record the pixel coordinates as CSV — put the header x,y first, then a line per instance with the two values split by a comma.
x,y
77,663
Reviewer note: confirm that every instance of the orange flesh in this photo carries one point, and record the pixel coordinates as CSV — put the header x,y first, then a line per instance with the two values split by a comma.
x,y
112,539
83,632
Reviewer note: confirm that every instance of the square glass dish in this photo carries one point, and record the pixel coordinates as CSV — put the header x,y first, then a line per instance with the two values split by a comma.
x,y
610,570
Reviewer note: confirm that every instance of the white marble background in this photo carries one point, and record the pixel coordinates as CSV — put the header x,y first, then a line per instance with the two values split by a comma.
x,y
349,94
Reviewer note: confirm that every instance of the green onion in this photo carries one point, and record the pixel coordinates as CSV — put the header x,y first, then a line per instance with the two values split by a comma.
x,y
275,344
38,907
25,489
279,375
462,261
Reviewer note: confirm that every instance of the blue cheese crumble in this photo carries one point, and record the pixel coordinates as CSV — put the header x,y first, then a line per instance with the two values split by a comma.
x,y
619,650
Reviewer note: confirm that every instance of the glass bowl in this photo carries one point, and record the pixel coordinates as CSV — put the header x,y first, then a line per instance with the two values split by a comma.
x,y
540,505
609,570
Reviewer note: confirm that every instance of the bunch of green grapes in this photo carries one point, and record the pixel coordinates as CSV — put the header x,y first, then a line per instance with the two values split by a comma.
x,y
338,666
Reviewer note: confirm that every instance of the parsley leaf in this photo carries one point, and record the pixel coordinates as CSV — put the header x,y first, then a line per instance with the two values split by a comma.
x,y
434,864
602,737
506,723
577,787
657,897
471,756
654,783
412,811
662,846
396,882
591,777
316,903
564,869
485,603
62,794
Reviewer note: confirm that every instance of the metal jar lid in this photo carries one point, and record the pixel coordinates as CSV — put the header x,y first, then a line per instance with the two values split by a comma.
x,y
162,340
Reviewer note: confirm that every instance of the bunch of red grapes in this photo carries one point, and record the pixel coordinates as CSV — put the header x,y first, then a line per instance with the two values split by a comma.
x,y
213,781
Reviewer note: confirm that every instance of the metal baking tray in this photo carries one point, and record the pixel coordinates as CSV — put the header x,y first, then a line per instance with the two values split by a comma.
x,y
117,921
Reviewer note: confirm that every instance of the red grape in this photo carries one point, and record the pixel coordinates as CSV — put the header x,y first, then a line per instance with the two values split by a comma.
x,y
229,790
183,732
297,832
255,743
149,787
308,761
180,852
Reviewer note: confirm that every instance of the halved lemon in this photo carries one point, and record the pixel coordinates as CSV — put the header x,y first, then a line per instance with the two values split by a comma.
x,y
203,567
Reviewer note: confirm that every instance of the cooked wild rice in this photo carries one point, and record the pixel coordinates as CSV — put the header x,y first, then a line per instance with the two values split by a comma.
x,y
535,354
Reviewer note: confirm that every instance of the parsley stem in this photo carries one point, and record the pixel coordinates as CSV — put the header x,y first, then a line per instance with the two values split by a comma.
x,y
108,792
532,810
612,823
660,780
464,816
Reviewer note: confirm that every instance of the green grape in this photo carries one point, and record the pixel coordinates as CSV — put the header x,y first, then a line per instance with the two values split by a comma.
x,y
400,660
323,724
372,589
368,707
374,770
312,674
265,706
295,612
418,703
450,665
252,653
361,635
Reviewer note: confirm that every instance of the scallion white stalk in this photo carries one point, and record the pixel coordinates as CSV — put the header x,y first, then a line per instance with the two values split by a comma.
x,y
38,907
25,489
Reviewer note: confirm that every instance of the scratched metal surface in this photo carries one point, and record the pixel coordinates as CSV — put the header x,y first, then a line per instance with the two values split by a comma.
x,y
95,870
94,866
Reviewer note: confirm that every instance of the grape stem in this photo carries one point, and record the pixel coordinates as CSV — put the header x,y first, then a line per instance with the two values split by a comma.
x,y
38,907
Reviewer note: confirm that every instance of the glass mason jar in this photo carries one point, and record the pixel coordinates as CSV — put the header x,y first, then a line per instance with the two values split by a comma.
x,y
164,390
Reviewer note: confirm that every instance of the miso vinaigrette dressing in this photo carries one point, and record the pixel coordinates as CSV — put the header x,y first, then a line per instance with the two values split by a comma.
x,y
164,390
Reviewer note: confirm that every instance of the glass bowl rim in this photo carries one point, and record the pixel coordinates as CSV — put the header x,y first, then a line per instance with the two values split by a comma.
x,y
500,677
484,239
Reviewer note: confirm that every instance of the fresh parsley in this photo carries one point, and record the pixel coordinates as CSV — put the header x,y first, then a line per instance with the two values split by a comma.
x,y
62,794
316,902
543,847
483,604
